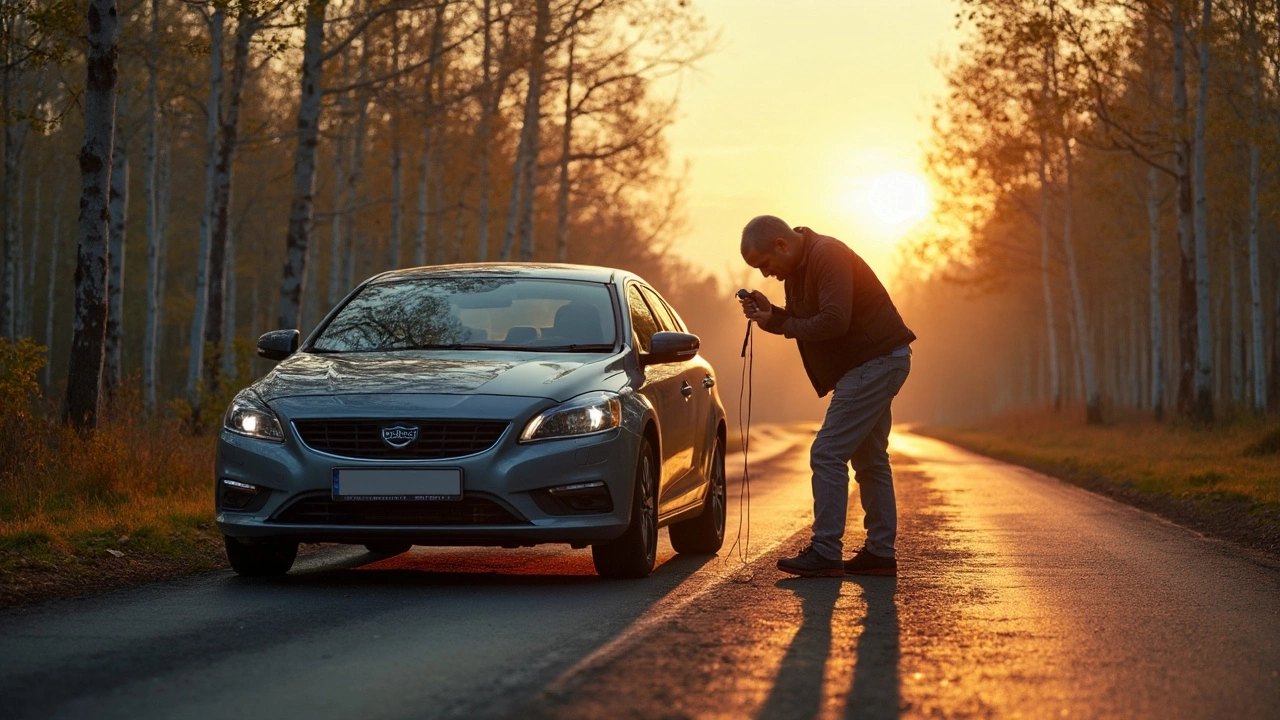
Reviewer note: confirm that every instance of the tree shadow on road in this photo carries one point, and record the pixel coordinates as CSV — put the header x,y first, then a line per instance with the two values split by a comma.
x,y
872,689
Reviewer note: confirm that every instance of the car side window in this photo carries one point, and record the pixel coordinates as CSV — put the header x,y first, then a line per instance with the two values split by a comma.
x,y
665,319
641,319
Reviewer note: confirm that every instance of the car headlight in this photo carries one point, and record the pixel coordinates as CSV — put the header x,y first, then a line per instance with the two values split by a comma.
x,y
248,415
590,413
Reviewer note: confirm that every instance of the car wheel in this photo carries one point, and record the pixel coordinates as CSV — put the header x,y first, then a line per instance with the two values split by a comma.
x,y
704,534
265,558
388,547
633,554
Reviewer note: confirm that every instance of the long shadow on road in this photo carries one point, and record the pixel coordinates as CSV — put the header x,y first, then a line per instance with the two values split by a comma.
x,y
814,672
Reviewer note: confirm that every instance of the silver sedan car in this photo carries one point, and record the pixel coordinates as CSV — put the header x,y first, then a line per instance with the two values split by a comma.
x,y
487,404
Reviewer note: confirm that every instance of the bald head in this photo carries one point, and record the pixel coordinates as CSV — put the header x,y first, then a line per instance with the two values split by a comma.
x,y
771,246
761,233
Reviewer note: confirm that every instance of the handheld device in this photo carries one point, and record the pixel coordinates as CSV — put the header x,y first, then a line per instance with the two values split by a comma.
x,y
745,294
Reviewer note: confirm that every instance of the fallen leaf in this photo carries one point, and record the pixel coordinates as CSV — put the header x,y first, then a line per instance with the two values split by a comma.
x,y
115,553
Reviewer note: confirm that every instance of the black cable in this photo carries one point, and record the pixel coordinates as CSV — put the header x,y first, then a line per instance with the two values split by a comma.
x,y
745,390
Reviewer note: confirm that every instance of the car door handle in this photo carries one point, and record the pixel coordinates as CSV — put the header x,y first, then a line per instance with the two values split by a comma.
x,y
708,382
686,389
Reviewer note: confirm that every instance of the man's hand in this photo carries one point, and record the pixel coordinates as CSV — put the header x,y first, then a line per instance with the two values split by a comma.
x,y
757,307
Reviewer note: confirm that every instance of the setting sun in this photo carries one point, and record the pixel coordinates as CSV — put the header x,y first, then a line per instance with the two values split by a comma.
x,y
899,198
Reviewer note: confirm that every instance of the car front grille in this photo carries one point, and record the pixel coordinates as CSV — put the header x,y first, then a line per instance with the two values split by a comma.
x,y
323,510
437,439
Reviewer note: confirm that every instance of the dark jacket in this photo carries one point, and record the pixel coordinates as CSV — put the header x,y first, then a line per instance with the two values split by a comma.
x,y
837,310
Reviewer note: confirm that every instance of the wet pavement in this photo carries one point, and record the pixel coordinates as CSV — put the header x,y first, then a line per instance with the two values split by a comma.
x,y
1017,596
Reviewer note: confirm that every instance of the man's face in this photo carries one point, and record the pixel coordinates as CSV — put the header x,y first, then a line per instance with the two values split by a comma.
x,y
774,262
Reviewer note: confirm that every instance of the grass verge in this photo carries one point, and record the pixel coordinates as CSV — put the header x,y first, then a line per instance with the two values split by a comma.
x,y
1223,481
83,512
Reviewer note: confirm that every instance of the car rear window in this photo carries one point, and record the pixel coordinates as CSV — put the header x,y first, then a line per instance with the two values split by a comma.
x,y
473,313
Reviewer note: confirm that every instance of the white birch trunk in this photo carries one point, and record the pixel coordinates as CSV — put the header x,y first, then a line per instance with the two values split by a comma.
x,y
52,283
397,155
1187,320
229,326
485,135
420,233
29,294
1235,354
438,204
119,203
1204,331
84,371
358,145
339,207
1093,402
220,239
152,210
566,147
1153,295
1259,394
532,127
1055,371
19,259
293,280
195,360
424,161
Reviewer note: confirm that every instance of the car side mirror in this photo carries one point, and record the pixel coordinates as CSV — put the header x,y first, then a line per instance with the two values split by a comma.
x,y
670,347
278,344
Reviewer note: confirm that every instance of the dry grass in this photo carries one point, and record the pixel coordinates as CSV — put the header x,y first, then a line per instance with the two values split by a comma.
x,y
137,475
1239,460
131,499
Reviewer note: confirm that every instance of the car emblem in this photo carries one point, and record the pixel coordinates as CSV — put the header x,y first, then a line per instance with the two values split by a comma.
x,y
399,436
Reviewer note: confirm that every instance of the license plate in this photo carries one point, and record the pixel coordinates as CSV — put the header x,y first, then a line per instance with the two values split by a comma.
x,y
397,484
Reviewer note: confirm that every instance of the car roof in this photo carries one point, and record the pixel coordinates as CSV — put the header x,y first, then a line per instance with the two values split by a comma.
x,y
547,271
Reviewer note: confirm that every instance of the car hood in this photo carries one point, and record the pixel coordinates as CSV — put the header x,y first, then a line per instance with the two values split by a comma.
x,y
557,376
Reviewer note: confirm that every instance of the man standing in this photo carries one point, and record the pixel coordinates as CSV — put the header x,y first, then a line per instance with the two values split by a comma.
x,y
853,342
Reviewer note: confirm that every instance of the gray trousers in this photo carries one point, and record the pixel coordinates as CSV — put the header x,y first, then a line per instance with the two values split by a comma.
x,y
856,431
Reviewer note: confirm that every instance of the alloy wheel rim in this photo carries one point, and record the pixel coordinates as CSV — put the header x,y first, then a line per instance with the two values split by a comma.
x,y
648,508
718,492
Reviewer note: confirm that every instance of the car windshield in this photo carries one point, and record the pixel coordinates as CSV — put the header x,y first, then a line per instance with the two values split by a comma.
x,y
473,313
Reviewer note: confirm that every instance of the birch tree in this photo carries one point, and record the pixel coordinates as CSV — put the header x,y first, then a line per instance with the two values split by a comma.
x,y
152,210
304,169
195,358
247,24
1203,411
118,204
525,180
84,374
1258,395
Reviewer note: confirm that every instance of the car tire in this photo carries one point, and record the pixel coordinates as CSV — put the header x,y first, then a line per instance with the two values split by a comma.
x,y
633,554
388,547
265,558
704,535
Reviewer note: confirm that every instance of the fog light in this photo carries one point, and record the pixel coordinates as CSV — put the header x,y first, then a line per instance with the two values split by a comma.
x,y
576,486
237,495
585,497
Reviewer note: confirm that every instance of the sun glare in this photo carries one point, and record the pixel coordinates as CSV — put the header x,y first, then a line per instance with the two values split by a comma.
x,y
899,199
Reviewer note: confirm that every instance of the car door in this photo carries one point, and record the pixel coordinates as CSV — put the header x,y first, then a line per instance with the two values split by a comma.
x,y
688,488
662,386
701,377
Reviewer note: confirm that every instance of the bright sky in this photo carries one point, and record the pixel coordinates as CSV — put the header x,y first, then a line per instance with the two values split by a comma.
x,y
815,111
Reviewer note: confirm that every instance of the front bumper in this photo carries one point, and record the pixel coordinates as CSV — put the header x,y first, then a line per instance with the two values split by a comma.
x,y
509,478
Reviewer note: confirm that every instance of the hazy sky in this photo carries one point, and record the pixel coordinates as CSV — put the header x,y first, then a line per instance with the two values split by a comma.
x,y
804,105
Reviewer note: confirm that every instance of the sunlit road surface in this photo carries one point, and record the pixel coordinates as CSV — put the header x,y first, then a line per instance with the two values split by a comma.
x,y
1017,596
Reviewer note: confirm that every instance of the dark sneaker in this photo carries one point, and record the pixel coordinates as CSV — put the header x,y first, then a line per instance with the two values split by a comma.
x,y
867,563
809,563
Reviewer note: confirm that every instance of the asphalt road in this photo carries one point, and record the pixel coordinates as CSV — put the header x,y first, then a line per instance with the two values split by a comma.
x,y
1017,595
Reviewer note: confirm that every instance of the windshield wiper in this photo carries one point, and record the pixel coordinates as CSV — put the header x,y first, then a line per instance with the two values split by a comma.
x,y
450,346
598,347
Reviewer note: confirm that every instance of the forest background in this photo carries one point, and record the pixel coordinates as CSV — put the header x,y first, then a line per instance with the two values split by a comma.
x,y
180,176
